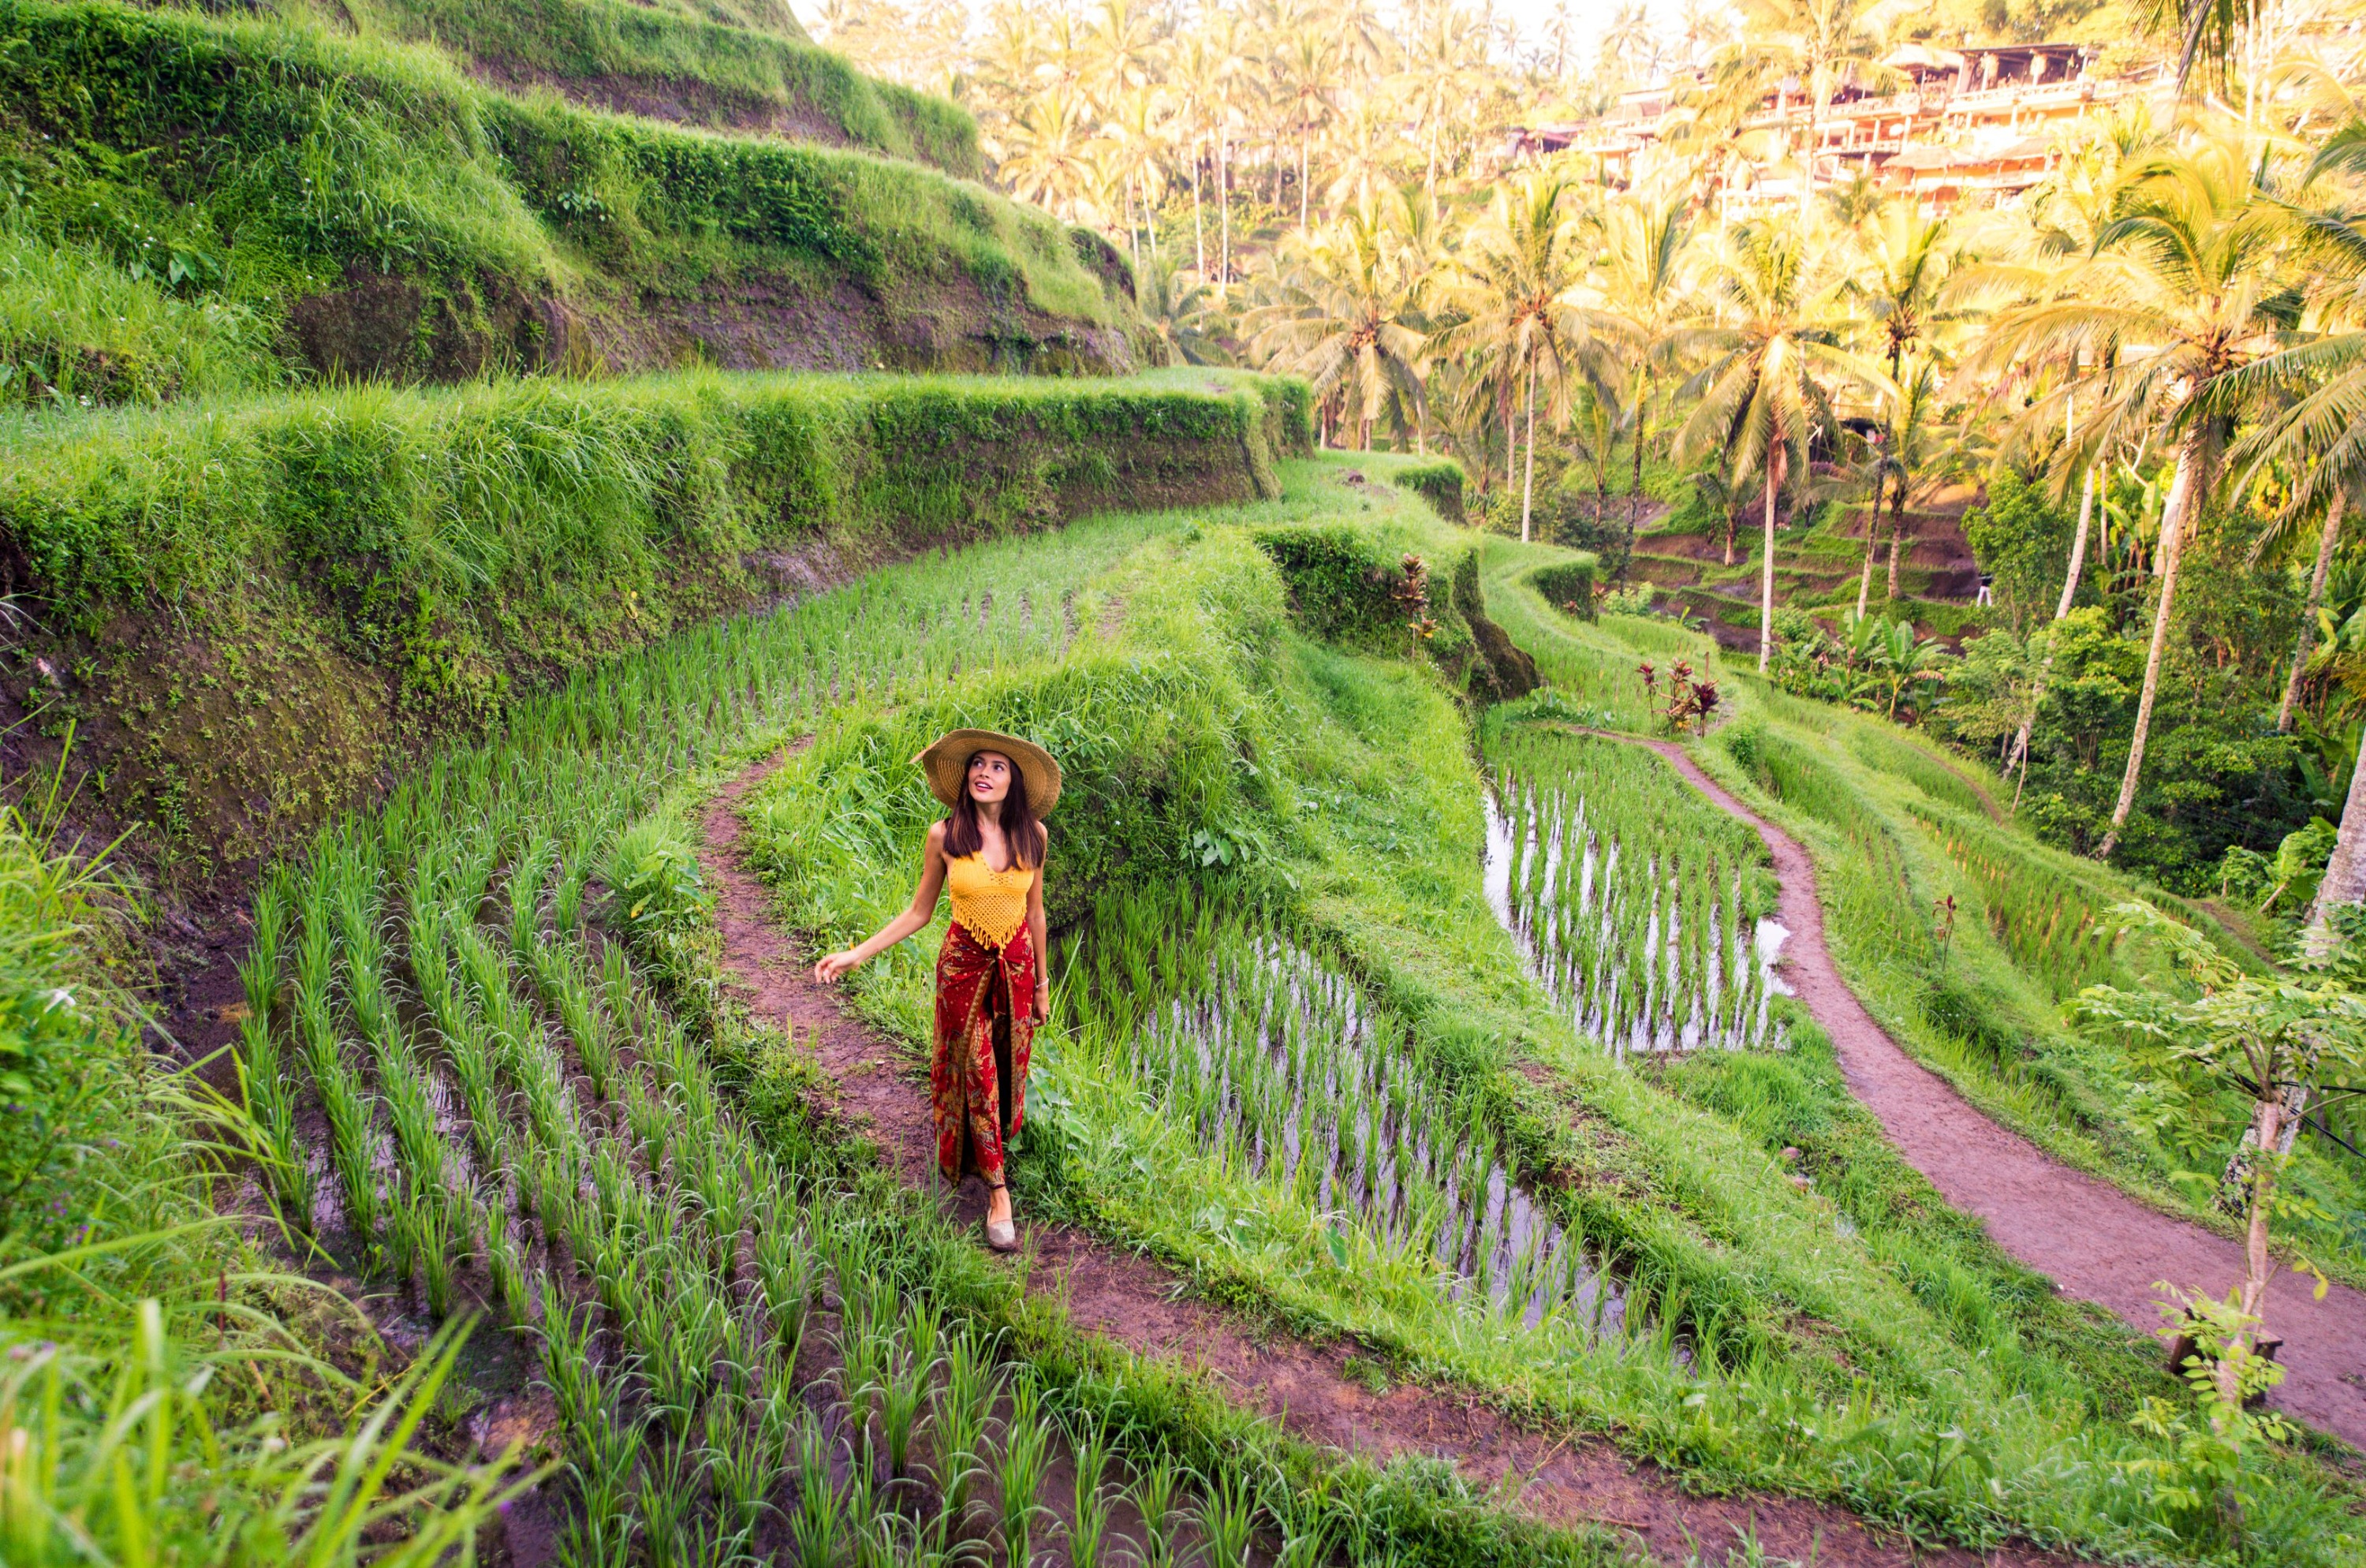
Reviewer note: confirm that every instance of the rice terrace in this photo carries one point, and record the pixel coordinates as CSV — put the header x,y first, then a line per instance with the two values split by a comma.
x,y
1331,783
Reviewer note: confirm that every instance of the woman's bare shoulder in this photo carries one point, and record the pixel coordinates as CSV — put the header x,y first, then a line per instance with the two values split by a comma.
x,y
937,836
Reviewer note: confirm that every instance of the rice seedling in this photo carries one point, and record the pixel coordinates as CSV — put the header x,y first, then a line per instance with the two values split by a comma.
x,y
669,1503
961,1419
1155,1493
1026,1456
399,1245
568,1371
527,873
1639,909
1286,1072
1227,1518
788,1278
1088,1517
910,1374
604,1455
866,1349
433,1223
271,1103
819,1522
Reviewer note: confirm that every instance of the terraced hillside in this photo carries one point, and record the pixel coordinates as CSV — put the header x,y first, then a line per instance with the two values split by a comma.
x,y
201,203
747,68
248,615
1819,567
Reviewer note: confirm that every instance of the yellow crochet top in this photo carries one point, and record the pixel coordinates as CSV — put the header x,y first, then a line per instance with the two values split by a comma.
x,y
992,904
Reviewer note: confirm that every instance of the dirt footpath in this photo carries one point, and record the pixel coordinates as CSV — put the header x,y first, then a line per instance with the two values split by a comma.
x,y
2093,1240
1559,1478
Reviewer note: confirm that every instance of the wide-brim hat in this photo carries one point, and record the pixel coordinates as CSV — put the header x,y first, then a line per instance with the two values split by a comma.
x,y
947,765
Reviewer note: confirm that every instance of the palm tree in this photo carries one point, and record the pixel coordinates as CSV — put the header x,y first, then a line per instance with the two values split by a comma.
x,y
1199,77
2184,286
1510,290
1308,63
2319,439
1639,281
1044,153
1128,148
1447,57
1761,389
1630,38
1334,313
1916,440
1182,309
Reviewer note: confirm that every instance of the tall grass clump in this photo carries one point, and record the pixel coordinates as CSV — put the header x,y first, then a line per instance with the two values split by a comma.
x,y
79,329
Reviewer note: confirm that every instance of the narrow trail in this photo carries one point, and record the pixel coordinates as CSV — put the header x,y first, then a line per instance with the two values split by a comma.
x,y
2094,1241
1559,1478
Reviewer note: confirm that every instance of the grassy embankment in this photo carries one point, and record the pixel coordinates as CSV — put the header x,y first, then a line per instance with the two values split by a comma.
x,y
742,68
199,203
1897,827
1289,831
253,613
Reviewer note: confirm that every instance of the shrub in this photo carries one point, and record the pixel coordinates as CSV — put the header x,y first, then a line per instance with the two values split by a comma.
x,y
1569,585
1438,482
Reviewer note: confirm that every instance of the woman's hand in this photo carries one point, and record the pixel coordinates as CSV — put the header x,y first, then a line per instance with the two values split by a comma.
x,y
834,967
1042,1011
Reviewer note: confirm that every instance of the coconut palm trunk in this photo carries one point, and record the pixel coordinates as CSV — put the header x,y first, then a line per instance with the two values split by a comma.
x,y
2019,757
1897,532
2324,543
1224,207
1198,230
2175,518
2344,873
1635,483
1766,570
1529,486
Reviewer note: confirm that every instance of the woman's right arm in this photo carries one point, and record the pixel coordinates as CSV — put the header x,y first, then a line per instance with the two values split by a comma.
x,y
923,910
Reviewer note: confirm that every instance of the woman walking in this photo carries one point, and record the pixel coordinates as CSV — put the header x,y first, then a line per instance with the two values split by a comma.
x,y
988,852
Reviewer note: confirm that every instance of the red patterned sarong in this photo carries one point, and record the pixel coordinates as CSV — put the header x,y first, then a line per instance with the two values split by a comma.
x,y
977,1074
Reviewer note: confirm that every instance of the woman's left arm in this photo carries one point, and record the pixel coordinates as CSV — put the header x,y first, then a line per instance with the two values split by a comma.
x,y
1035,930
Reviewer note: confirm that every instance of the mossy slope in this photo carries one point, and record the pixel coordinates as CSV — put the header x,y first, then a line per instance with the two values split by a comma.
x,y
385,215
251,614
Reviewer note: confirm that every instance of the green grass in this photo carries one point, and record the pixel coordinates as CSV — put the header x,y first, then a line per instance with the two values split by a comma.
x,y
436,225
343,573
80,329
757,71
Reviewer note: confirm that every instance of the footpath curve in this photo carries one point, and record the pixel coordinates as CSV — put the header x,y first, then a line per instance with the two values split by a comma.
x,y
2094,1241
1561,1479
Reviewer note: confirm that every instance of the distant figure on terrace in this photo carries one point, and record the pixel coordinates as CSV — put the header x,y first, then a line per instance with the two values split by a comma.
x,y
989,853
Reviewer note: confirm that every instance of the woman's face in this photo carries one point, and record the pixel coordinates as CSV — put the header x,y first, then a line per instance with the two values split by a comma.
x,y
989,776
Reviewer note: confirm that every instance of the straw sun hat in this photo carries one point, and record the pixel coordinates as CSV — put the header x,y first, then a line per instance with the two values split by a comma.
x,y
947,764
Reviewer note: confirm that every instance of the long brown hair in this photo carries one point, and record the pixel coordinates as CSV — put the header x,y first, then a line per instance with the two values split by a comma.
x,y
965,836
